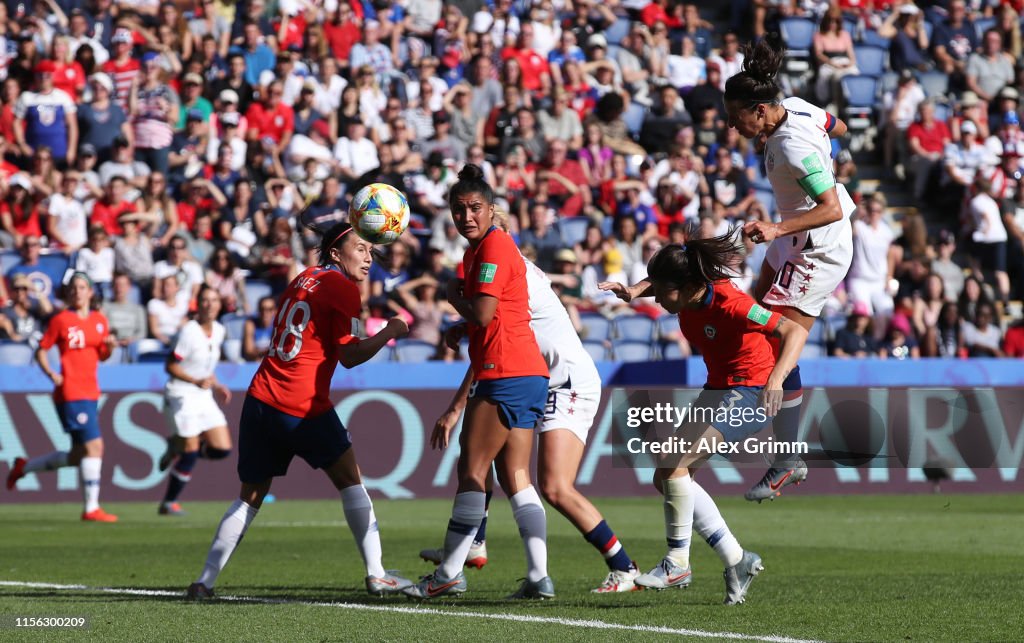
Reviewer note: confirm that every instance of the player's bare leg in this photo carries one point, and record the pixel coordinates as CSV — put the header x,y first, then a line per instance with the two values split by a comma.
x,y
229,533
557,465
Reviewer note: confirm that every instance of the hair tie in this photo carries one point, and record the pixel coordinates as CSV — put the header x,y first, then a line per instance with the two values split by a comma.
x,y
338,238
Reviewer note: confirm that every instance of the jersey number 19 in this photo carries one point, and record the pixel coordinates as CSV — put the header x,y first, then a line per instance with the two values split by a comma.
x,y
295,319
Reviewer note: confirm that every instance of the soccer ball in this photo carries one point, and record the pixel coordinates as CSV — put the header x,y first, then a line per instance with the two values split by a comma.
x,y
379,213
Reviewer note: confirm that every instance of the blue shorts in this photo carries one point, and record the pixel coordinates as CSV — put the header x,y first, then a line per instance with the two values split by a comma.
x,y
268,439
80,420
520,400
739,414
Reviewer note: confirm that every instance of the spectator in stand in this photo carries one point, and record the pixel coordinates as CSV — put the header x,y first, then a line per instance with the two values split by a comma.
x,y
899,341
566,282
989,236
526,135
1013,219
856,339
64,216
46,118
370,51
536,71
1013,340
453,150
101,120
419,297
384,279
951,273
122,68
982,338
271,121
192,101
258,330
972,298
167,312
833,53
662,124
278,254
567,182
24,318
946,338
685,69
928,305
133,251
927,139
235,81
610,268
874,261
544,238
901,106
122,164
953,41
258,57
909,49
106,211
707,93
127,319
96,259
155,111
19,214
731,192
989,70
187,272
355,154
560,122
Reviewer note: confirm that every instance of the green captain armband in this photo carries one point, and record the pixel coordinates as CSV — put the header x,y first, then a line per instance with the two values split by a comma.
x,y
818,180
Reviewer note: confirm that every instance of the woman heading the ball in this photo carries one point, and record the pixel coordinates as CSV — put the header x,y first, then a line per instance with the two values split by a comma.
x,y
812,246
574,395
732,332
506,398
288,411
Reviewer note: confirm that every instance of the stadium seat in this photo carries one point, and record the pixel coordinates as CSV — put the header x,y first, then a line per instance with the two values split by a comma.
x,y
638,328
233,350
817,333
597,349
135,295
234,324
813,351
981,25
850,27
117,356
767,199
573,229
630,351
616,32
860,96
798,34
671,350
147,350
385,354
871,37
15,354
597,326
634,117
935,83
943,111
888,83
871,60
8,259
54,264
413,351
256,289
668,325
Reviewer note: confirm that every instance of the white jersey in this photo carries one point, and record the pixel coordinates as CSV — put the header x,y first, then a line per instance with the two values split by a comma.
x,y
798,160
198,356
559,344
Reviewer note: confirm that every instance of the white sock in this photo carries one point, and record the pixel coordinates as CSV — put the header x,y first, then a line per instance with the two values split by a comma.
x,y
90,472
708,522
232,527
361,520
467,512
533,529
48,462
678,518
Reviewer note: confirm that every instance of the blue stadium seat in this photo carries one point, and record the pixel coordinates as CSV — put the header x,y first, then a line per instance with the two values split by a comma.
x,y
573,229
597,326
233,350
15,354
871,60
871,37
147,350
935,83
412,351
54,264
667,325
817,333
850,27
135,295
860,95
634,117
888,83
981,25
597,349
256,289
813,351
234,324
943,111
634,328
630,351
615,33
671,350
8,259
798,34
385,354
117,356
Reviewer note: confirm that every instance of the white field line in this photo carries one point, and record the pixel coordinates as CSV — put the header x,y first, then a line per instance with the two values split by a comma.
x,y
518,618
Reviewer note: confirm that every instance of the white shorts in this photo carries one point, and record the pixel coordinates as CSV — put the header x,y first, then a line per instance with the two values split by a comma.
x,y
193,415
809,266
572,407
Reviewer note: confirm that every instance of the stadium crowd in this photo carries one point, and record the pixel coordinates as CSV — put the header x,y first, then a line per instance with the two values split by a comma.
x,y
159,145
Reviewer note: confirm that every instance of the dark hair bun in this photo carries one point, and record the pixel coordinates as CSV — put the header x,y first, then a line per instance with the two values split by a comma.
x,y
762,61
471,172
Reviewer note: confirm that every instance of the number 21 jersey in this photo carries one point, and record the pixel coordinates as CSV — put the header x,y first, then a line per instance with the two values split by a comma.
x,y
317,312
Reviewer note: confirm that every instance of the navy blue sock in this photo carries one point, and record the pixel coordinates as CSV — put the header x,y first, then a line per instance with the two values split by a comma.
x,y
786,424
181,473
603,538
481,532
207,452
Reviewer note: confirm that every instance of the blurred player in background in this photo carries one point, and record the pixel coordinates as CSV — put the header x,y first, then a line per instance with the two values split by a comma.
x,y
198,426
506,397
288,410
812,247
731,331
82,335
574,394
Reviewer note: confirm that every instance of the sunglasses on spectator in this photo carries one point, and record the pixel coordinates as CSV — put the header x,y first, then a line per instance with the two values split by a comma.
x,y
177,247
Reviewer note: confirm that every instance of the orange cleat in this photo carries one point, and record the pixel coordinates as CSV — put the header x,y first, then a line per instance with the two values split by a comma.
x,y
98,515
17,473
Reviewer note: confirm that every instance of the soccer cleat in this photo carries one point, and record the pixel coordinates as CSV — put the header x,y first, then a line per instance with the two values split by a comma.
x,y
17,473
434,586
389,583
544,588
771,484
98,515
198,592
739,577
667,574
619,581
477,555
170,453
171,509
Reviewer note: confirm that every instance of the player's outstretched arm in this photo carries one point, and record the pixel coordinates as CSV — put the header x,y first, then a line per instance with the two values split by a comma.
x,y
628,293
838,130
792,337
354,354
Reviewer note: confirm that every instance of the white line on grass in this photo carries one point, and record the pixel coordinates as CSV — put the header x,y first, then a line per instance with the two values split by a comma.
x,y
518,618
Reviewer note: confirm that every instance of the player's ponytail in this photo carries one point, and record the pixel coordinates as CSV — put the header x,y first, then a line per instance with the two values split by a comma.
x,y
471,181
696,261
755,83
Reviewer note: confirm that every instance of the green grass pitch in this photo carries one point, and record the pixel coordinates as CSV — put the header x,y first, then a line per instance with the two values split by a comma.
x,y
841,568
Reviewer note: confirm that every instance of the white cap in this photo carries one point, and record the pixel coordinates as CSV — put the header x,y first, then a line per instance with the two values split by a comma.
x,y
909,9
482,22
229,96
20,178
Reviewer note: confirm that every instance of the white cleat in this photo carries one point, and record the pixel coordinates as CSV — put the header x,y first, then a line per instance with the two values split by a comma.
x,y
618,581
739,577
667,574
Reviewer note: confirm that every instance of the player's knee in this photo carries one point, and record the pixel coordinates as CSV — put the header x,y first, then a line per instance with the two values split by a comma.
x,y
213,453
556,492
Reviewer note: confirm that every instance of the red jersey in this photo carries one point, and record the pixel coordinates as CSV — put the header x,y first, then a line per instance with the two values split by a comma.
x,y
318,312
82,344
108,215
273,123
731,331
122,74
507,346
